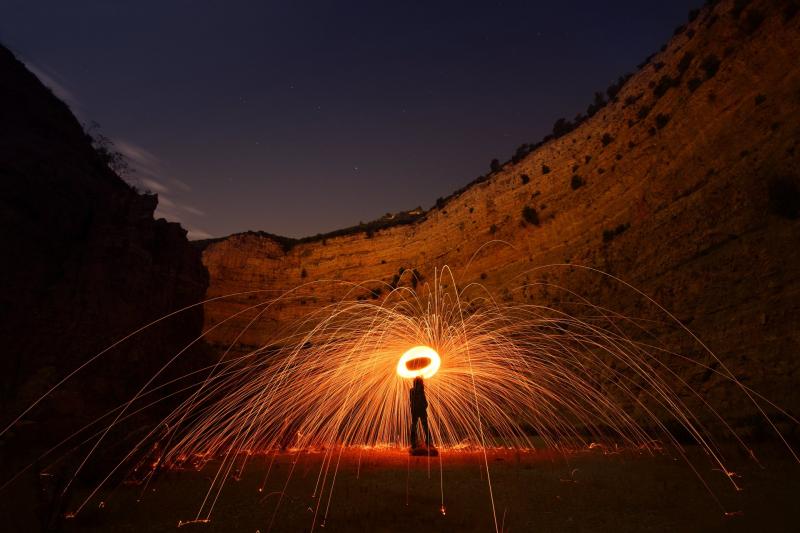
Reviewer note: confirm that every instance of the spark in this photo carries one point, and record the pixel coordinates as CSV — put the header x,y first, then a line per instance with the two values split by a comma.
x,y
579,376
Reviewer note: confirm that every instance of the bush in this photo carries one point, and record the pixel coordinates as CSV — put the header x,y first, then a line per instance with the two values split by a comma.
x,y
493,229
494,166
613,90
416,277
576,182
106,150
693,14
791,9
643,112
784,198
760,99
606,139
661,120
685,62
710,65
752,21
664,84
597,105
693,84
525,179
520,153
545,169
530,215
440,203
610,234
561,127
632,99
738,7
303,273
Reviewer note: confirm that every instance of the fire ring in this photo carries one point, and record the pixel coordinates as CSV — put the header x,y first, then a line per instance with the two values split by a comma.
x,y
419,361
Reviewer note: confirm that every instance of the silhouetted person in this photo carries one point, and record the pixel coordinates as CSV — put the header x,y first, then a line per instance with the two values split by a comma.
x,y
419,411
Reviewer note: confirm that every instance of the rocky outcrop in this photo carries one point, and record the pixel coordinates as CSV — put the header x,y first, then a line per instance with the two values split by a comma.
x,y
84,263
685,184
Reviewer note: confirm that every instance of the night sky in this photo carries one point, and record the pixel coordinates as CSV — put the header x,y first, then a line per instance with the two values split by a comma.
x,y
303,117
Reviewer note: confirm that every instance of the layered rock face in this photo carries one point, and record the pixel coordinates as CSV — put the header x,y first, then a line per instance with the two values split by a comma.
x,y
84,263
685,185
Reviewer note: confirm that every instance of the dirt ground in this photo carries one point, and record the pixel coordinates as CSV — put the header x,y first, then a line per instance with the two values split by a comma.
x,y
388,490
382,490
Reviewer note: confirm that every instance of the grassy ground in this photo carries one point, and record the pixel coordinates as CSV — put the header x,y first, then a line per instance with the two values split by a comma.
x,y
390,491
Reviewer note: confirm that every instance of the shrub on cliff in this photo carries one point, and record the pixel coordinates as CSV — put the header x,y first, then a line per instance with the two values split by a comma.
x,y
521,151
561,127
576,182
530,215
784,198
685,62
610,234
597,105
752,21
495,166
710,65
525,179
607,139
738,7
613,90
106,150
664,84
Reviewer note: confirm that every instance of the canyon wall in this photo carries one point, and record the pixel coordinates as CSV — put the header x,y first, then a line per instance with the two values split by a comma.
x,y
84,263
685,185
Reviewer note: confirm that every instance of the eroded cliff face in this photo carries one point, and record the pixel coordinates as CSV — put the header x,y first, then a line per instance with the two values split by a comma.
x,y
686,185
84,263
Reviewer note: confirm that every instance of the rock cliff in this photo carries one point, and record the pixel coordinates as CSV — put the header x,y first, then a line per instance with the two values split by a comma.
x,y
84,263
684,184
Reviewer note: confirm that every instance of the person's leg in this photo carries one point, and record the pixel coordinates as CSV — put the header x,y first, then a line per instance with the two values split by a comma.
x,y
427,431
414,419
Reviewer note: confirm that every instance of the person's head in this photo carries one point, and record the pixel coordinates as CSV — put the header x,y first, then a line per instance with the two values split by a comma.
x,y
418,383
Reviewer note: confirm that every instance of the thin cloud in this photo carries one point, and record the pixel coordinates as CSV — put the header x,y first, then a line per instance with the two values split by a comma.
x,y
192,210
145,165
165,202
181,185
192,233
195,234
51,80
144,162
154,186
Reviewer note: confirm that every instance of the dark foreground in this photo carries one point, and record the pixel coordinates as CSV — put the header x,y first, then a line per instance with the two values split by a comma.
x,y
390,491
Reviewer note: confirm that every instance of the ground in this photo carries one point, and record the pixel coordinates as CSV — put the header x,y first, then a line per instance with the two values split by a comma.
x,y
380,490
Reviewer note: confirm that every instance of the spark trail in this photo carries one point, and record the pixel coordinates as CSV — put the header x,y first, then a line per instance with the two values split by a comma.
x,y
499,373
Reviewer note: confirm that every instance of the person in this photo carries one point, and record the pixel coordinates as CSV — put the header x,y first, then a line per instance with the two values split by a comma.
x,y
419,412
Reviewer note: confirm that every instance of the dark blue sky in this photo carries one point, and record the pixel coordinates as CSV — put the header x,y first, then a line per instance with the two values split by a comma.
x,y
304,117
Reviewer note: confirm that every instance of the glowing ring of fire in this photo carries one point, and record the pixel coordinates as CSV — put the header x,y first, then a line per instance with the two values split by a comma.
x,y
412,363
